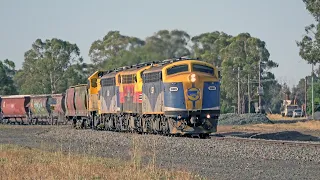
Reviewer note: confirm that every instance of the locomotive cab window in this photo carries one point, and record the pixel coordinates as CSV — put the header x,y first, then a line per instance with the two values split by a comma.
x,y
94,82
127,79
177,69
202,68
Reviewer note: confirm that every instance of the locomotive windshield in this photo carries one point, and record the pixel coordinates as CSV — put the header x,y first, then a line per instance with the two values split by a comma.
x,y
177,69
202,68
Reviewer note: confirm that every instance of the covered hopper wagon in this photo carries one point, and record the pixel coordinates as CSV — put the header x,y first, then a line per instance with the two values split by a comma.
x,y
15,109
33,109
76,105
58,108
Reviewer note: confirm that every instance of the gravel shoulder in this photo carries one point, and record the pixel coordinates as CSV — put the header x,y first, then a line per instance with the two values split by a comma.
x,y
214,158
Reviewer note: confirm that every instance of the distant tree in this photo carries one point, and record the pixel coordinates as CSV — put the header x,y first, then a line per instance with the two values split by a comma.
x,y
7,71
47,67
245,52
111,46
207,46
274,97
116,50
169,44
298,91
309,47
310,43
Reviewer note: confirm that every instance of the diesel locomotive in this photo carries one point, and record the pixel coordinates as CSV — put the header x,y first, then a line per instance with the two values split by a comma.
x,y
171,97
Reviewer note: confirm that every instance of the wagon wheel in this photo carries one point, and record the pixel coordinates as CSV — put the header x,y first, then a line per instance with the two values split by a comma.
x,y
78,124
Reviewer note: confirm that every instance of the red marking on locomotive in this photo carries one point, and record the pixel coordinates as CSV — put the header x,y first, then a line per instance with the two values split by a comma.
x,y
137,97
128,91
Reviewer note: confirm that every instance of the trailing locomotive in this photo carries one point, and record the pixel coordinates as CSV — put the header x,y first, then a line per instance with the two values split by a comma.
x,y
171,97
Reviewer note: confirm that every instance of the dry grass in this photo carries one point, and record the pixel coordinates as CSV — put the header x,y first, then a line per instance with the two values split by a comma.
x,y
9,126
26,163
299,126
275,117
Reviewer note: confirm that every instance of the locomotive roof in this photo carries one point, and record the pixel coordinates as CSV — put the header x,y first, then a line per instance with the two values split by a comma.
x,y
164,64
133,70
154,69
112,74
78,85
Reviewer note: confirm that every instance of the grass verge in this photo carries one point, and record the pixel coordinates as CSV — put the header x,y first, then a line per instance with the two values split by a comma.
x,y
312,127
298,126
25,163
276,117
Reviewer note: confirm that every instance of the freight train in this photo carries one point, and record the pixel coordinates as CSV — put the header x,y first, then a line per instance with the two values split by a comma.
x,y
171,97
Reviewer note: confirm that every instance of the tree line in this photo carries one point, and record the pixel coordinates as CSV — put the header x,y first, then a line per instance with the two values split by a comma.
x,y
52,65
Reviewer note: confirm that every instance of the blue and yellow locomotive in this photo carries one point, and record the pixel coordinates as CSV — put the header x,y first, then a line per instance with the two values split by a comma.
x,y
171,97
184,92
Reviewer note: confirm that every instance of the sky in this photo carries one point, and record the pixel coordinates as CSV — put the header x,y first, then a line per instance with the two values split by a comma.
x,y
280,23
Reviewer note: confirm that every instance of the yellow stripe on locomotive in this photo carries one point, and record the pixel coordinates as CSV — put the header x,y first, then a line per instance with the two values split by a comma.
x,y
93,91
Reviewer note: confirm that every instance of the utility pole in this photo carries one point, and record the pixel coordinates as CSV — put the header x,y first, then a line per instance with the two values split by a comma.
x,y
312,102
249,100
238,90
305,97
259,89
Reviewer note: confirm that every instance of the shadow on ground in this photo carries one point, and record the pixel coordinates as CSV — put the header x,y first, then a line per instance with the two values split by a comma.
x,y
283,135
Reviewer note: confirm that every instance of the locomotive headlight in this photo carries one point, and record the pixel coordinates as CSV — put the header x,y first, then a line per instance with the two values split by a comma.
x,y
208,116
193,78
